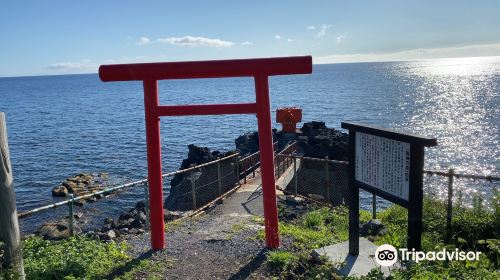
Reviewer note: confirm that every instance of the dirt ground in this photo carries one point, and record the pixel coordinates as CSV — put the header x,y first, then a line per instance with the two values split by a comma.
x,y
219,244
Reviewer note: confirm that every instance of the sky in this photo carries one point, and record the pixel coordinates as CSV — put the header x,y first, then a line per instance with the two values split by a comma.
x,y
66,37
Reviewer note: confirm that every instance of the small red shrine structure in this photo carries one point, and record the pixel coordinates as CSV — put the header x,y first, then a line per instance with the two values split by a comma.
x,y
289,117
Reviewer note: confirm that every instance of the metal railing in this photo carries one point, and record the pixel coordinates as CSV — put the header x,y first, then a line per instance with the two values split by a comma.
x,y
451,176
223,186
249,164
327,181
196,186
281,163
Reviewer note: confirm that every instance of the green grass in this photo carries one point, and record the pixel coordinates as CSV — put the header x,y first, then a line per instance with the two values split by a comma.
x,y
313,220
146,269
74,258
306,238
278,261
288,265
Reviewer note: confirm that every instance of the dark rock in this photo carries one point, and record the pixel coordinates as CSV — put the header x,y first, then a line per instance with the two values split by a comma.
x,y
133,212
141,205
317,140
373,227
136,223
289,215
143,217
78,215
173,215
110,235
134,231
59,191
247,143
125,216
92,234
177,200
107,227
79,202
108,220
81,184
70,186
56,230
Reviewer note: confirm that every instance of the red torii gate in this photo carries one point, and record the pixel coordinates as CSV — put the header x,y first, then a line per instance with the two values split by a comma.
x,y
260,69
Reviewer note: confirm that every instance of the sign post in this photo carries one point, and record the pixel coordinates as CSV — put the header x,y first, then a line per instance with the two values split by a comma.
x,y
388,164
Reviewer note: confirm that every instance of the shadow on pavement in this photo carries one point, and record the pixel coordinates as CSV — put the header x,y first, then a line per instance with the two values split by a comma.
x,y
251,266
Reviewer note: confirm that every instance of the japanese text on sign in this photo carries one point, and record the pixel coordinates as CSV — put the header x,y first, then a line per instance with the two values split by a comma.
x,y
383,164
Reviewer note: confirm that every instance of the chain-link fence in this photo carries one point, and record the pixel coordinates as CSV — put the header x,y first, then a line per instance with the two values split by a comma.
x,y
197,186
321,179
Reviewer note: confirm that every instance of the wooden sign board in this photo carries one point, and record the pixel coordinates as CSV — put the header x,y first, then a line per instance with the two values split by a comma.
x,y
388,164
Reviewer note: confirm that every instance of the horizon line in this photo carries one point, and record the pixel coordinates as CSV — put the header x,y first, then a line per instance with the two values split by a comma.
x,y
317,63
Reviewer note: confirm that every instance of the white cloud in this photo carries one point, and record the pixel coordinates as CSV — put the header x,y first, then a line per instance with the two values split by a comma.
x,y
413,54
246,43
323,29
143,41
64,66
311,27
340,39
289,40
190,41
277,37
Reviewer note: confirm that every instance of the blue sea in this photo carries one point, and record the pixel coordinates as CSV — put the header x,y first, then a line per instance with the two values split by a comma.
x,y
62,125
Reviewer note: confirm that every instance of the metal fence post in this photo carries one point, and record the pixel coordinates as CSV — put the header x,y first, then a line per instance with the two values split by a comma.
x,y
71,214
374,206
146,202
193,189
278,165
253,166
219,178
238,169
295,175
244,165
327,177
449,208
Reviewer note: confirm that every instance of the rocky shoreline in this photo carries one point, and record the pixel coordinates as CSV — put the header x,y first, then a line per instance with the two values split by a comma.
x,y
81,184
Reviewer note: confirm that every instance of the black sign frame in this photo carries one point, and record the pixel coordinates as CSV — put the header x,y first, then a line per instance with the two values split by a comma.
x,y
415,195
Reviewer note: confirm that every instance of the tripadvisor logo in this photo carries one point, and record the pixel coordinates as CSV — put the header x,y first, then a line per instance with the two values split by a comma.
x,y
387,255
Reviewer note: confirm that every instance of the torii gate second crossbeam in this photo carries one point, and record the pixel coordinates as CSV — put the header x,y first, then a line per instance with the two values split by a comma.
x,y
260,69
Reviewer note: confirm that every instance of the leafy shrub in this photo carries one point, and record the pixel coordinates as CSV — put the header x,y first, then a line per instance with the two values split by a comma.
x,y
278,261
313,220
306,238
299,266
74,258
